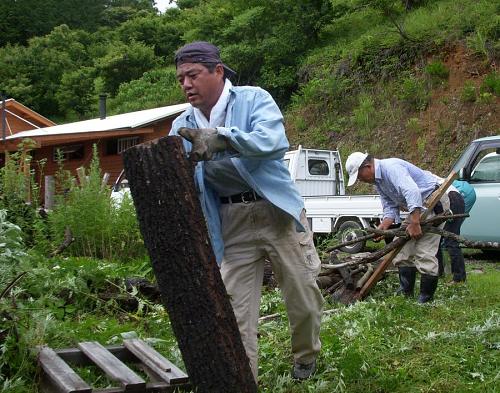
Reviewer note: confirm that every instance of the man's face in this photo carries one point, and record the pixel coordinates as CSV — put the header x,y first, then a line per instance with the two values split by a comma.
x,y
201,87
366,173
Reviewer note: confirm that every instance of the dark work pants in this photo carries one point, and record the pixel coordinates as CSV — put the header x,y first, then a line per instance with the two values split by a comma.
x,y
457,206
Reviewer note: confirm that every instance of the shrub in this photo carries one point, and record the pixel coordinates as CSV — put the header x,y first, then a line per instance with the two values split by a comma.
x,y
414,92
491,83
468,92
100,228
437,71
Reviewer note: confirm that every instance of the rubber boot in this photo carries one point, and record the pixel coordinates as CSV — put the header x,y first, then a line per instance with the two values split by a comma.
x,y
428,285
407,275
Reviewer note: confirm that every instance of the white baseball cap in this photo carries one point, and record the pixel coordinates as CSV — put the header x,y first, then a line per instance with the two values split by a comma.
x,y
352,165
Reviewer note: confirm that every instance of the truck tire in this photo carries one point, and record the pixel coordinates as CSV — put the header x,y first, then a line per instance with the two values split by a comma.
x,y
349,230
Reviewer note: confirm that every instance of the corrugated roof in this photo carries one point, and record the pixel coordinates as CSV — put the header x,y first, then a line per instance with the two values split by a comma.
x,y
124,121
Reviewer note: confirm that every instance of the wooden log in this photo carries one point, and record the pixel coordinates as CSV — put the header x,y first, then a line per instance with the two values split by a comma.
x,y
175,234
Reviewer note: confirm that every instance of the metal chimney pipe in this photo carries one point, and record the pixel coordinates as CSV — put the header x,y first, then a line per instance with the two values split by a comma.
x,y
102,106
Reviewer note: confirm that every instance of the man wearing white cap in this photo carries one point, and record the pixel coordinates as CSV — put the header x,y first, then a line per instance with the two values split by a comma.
x,y
404,186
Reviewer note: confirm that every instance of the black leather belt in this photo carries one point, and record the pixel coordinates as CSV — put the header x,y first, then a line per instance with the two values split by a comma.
x,y
244,197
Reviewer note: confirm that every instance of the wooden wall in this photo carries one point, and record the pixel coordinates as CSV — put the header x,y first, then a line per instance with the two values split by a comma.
x,y
112,164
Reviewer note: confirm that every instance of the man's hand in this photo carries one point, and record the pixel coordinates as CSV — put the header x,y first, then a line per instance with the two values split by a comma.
x,y
413,229
384,225
206,142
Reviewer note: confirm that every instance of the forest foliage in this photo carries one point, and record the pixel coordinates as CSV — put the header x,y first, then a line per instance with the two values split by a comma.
x,y
336,67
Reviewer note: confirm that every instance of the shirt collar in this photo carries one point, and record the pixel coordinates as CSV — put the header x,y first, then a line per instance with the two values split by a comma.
x,y
378,171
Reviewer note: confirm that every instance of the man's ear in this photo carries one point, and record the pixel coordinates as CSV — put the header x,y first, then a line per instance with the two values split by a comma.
x,y
219,70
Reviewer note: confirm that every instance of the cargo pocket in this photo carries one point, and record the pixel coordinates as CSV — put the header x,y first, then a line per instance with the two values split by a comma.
x,y
311,259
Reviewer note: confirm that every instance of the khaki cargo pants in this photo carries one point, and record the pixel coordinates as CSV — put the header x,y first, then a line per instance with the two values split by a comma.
x,y
256,231
421,253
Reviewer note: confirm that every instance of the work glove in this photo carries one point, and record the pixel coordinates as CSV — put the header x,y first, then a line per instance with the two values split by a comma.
x,y
206,142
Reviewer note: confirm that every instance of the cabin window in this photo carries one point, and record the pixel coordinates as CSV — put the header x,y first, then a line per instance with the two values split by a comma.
x,y
70,152
118,146
318,168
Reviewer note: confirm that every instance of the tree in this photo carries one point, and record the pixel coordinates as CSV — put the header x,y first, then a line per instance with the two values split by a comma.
x,y
158,87
76,93
123,63
152,30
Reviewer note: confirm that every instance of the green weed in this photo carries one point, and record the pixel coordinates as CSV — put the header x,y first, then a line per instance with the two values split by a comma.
x,y
468,92
365,115
414,93
437,71
486,98
491,83
100,228
413,126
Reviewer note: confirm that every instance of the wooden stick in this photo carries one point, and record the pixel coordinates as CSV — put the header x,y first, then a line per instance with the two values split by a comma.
x,y
436,219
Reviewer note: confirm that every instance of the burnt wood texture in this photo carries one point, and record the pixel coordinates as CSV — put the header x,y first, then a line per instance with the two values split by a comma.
x,y
175,234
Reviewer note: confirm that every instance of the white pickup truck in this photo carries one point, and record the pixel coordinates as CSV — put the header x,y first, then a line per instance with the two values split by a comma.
x,y
319,177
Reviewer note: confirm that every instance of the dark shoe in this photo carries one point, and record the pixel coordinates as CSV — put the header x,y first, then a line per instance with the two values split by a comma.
x,y
303,371
407,275
428,285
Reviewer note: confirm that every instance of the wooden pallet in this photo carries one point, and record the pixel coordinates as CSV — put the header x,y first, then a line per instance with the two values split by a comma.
x,y
57,376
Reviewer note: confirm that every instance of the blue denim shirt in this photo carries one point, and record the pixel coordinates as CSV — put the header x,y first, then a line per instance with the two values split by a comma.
x,y
254,127
402,185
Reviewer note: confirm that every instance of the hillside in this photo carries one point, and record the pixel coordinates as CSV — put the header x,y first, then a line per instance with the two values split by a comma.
x,y
458,111
412,78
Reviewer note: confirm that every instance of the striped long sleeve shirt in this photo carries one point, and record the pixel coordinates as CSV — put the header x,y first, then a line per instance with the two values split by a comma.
x,y
402,185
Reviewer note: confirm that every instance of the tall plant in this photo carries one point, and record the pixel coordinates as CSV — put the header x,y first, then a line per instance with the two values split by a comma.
x,y
19,192
100,228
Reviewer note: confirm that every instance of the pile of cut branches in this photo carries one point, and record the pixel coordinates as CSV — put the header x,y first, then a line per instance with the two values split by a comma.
x,y
344,278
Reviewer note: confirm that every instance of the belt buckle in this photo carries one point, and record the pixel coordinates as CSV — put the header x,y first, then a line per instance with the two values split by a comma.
x,y
249,195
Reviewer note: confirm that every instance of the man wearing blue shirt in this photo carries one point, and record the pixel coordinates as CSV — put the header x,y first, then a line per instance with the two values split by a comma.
x,y
252,208
462,198
404,186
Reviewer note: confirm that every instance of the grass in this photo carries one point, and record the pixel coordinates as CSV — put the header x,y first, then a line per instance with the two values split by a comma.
x,y
384,344
391,344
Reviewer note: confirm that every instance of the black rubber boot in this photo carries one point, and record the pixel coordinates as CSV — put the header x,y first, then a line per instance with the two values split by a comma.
x,y
407,275
428,285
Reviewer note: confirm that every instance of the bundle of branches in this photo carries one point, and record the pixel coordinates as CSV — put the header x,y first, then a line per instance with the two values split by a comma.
x,y
353,271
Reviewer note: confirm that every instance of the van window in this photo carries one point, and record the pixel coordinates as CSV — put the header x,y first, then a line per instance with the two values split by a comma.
x,y
318,167
487,169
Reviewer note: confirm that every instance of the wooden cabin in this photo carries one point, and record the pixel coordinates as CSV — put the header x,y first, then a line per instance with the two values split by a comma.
x,y
111,135
15,118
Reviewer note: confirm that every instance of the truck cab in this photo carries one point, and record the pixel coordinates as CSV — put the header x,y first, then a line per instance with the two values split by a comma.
x,y
479,165
316,172
320,180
